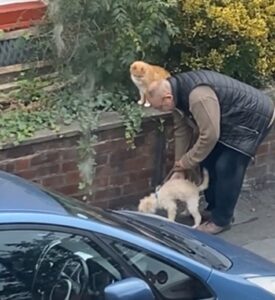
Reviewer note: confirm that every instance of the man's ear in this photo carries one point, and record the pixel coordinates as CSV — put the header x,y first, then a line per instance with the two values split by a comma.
x,y
168,98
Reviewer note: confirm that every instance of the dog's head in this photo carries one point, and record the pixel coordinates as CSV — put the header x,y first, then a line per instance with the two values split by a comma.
x,y
148,204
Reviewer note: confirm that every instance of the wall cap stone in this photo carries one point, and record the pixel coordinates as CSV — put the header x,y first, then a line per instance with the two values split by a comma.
x,y
107,121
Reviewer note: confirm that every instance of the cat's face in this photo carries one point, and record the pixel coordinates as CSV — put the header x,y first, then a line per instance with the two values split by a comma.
x,y
138,69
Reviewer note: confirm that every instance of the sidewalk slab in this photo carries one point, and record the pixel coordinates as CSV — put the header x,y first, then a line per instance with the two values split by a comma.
x,y
254,228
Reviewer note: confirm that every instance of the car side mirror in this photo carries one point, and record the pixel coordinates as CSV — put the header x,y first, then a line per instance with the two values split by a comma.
x,y
129,289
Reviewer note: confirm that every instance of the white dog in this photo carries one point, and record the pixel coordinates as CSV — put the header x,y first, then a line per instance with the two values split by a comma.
x,y
173,190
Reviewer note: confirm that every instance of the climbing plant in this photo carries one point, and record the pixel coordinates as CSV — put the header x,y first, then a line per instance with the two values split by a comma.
x,y
95,42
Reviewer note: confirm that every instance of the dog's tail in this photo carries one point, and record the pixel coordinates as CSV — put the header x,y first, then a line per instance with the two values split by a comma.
x,y
205,182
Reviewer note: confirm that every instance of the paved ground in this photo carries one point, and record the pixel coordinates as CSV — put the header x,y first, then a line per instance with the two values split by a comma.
x,y
254,227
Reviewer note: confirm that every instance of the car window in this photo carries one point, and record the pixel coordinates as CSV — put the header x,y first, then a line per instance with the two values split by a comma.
x,y
53,265
170,282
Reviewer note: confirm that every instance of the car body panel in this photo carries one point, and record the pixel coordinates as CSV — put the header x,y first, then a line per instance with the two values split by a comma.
x,y
244,262
26,206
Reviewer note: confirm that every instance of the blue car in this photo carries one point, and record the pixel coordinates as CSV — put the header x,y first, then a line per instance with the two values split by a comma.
x,y
53,247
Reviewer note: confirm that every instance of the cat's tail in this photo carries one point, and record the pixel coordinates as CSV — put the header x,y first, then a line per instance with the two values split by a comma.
x,y
205,182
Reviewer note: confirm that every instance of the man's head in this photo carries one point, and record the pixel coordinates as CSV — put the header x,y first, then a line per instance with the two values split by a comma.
x,y
160,95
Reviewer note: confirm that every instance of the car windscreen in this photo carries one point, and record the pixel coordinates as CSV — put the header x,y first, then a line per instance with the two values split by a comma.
x,y
189,247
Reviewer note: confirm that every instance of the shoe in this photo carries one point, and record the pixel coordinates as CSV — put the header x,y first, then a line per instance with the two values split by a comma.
x,y
206,215
211,228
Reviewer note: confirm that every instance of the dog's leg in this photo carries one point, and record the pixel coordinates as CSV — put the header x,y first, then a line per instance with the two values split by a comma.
x,y
172,211
185,213
193,207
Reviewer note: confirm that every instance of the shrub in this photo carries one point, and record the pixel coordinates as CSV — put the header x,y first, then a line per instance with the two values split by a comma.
x,y
105,36
236,37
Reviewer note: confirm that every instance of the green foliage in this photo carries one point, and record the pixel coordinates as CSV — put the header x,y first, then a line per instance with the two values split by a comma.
x,y
16,126
104,37
234,37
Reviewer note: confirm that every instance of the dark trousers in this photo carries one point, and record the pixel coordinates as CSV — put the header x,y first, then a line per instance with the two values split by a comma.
x,y
226,169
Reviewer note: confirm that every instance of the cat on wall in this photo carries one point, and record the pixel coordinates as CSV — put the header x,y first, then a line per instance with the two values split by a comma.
x,y
143,74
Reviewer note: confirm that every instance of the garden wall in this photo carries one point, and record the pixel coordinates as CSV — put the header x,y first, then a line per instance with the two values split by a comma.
x,y
122,175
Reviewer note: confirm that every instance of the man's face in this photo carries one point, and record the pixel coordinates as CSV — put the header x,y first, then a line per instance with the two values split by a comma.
x,y
164,103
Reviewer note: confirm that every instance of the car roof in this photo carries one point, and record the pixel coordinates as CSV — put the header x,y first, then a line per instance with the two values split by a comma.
x,y
20,195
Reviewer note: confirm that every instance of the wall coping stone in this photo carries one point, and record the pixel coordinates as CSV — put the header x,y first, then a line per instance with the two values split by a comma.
x,y
107,121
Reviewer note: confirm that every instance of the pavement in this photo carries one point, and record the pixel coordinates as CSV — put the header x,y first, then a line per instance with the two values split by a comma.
x,y
254,227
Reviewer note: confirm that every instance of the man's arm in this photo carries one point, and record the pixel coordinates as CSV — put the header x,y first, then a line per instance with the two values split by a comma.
x,y
205,108
183,134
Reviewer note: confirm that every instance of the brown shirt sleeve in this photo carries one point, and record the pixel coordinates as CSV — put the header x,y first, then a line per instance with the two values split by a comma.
x,y
183,134
205,108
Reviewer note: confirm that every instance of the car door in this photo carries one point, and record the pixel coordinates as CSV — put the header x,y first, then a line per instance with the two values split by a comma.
x,y
49,262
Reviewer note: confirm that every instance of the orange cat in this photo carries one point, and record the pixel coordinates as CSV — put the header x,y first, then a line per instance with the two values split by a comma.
x,y
143,74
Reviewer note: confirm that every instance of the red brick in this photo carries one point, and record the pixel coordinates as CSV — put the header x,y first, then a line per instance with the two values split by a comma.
x,y
119,180
20,151
107,194
110,146
104,171
101,159
44,158
27,174
142,162
138,163
22,164
100,182
68,190
136,187
69,154
7,166
53,181
142,174
111,134
122,155
72,178
143,139
46,170
69,166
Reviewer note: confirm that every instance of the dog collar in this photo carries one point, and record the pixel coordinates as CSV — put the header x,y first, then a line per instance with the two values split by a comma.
x,y
157,195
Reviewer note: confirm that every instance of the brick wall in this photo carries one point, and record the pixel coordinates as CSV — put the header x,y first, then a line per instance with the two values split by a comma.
x,y
122,175
261,172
